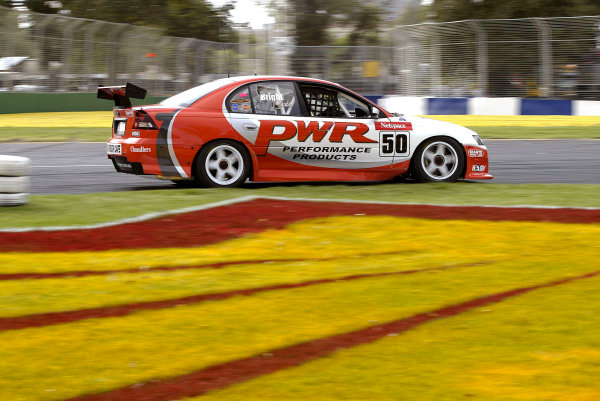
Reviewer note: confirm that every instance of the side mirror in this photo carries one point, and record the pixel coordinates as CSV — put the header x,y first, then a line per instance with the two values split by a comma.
x,y
374,112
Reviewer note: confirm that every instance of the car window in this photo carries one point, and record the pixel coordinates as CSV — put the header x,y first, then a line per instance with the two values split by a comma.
x,y
353,106
327,102
240,102
275,98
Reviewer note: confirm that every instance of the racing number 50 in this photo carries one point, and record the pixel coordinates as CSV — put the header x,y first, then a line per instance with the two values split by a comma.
x,y
393,144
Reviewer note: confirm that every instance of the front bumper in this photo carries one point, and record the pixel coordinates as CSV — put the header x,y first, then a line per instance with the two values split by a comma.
x,y
477,167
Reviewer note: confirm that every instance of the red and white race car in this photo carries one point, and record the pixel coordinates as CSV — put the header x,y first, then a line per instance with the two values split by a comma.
x,y
267,128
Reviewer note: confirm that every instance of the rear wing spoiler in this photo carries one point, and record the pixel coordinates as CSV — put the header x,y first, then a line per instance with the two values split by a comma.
x,y
121,94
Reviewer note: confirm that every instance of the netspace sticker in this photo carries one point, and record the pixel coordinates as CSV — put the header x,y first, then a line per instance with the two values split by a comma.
x,y
393,126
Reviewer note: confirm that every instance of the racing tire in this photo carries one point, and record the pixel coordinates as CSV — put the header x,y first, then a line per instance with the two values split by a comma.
x,y
438,159
14,166
13,199
14,185
222,163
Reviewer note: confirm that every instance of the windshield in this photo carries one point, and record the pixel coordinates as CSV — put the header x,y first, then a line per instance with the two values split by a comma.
x,y
189,96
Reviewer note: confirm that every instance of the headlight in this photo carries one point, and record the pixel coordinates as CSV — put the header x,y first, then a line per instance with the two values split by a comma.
x,y
478,140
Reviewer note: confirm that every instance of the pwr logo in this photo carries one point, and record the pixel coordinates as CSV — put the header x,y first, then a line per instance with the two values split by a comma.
x,y
303,131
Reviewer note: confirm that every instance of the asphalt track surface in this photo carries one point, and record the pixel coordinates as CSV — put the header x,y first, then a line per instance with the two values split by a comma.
x,y
72,168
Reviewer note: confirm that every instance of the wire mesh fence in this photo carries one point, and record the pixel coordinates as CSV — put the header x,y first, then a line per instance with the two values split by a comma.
x,y
533,57
530,57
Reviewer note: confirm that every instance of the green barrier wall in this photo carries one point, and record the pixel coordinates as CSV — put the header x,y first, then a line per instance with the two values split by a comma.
x,y
47,102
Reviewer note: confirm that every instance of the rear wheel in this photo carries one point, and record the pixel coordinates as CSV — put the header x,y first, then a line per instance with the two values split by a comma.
x,y
439,160
223,164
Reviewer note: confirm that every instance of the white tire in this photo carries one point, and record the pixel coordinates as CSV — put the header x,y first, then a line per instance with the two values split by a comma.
x,y
14,166
13,199
14,185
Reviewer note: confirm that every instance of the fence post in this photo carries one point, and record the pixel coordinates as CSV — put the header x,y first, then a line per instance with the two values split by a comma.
x,y
182,67
112,55
482,57
545,56
89,44
67,40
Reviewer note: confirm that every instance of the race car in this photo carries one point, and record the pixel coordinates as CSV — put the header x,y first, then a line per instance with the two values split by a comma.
x,y
268,128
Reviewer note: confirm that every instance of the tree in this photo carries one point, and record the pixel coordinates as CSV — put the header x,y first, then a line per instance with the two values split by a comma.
x,y
186,18
455,10
366,30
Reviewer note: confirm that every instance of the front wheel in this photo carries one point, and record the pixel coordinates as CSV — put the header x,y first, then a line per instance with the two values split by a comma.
x,y
223,164
439,160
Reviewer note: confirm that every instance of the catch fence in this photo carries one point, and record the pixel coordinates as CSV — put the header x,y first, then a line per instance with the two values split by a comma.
x,y
532,57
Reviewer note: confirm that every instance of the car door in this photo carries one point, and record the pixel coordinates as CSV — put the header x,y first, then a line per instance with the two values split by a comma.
x,y
337,131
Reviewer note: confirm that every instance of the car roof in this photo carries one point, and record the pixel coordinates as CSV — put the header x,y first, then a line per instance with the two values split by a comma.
x,y
278,78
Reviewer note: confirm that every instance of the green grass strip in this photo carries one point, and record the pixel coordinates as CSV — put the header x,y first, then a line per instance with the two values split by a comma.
x,y
580,132
53,210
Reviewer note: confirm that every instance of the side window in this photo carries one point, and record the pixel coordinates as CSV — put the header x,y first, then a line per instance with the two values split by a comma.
x,y
353,106
321,102
275,98
240,102
327,102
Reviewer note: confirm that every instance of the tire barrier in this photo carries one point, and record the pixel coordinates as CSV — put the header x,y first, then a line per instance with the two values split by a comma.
x,y
14,180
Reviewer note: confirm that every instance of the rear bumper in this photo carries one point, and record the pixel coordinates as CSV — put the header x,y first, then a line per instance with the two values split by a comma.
x,y
122,165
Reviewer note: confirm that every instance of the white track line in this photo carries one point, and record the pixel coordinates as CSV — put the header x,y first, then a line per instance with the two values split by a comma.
x,y
154,215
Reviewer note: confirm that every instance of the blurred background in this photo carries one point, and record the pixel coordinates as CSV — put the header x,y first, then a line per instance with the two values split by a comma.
x,y
512,48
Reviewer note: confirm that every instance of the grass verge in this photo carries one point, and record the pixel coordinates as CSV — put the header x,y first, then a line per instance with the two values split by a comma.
x,y
511,132
51,210
55,134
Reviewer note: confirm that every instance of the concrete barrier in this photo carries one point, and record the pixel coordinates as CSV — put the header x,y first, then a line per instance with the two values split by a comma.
x,y
501,106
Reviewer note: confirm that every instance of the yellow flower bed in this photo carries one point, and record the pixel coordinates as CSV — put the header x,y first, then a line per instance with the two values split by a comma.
x,y
540,346
99,354
344,236
520,121
58,119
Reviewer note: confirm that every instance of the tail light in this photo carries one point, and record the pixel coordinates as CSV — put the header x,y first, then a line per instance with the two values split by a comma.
x,y
143,121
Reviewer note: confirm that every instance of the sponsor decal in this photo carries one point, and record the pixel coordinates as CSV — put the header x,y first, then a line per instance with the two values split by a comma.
x,y
240,100
243,95
475,152
135,133
271,96
139,149
479,168
246,107
337,131
235,107
129,113
393,126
